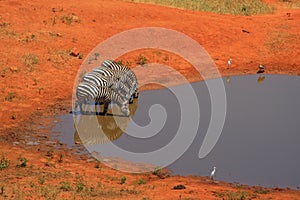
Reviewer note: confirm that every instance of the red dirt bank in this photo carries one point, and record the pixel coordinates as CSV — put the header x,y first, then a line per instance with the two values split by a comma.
x,y
41,28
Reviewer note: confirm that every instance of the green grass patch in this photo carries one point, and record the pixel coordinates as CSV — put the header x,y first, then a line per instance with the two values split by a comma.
x,y
235,7
10,96
123,180
4,163
277,41
30,60
6,31
294,4
141,181
22,162
59,58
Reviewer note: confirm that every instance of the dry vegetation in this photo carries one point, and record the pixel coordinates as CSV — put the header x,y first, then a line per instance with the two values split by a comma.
x,y
235,7
37,73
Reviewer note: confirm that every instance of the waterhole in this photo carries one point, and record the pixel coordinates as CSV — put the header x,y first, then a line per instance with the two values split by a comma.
x,y
259,143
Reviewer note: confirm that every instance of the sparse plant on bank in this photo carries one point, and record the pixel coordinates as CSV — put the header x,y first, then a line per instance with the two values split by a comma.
x,y
61,158
6,31
123,180
141,181
239,195
97,165
4,163
294,4
59,58
42,180
3,72
141,60
30,61
22,162
65,186
13,116
69,19
80,55
10,96
2,190
80,186
40,89
29,38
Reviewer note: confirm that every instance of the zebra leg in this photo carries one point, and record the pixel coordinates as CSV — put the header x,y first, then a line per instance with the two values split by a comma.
x,y
105,108
136,94
80,107
75,107
96,108
131,99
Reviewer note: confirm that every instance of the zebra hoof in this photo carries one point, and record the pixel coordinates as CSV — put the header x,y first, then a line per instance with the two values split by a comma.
x,y
131,100
136,95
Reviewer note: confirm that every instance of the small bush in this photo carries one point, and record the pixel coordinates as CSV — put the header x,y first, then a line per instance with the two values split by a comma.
x,y
69,19
97,165
237,195
261,191
30,60
22,162
161,173
123,180
80,187
141,60
61,158
59,58
65,186
10,96
141,181
42,180
4,163
179,187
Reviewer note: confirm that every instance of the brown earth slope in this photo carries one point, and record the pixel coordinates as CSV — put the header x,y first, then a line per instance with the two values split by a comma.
x,y
37,75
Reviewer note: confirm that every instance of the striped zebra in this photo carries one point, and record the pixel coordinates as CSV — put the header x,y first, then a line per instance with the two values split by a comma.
x,y
106,81
120,78
88,92
130,76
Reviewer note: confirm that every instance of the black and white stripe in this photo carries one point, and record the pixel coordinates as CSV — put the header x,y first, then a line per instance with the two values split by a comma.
x,y
98,79
107,81
120,79
87,92
128,75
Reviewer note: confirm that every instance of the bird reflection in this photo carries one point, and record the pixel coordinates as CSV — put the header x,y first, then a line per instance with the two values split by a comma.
x,y
228,79
260,79
100,129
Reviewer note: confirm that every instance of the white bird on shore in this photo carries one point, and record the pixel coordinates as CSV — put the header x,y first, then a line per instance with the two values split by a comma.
x,y
229,63
213,173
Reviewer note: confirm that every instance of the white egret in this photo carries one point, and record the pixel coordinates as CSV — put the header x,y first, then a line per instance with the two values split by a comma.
x,y
213,172
229,63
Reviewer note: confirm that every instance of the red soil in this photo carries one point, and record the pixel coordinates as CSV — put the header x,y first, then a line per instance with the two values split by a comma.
x,y
29,92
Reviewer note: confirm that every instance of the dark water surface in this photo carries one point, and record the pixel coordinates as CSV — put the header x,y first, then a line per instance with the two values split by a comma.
x,y
259,144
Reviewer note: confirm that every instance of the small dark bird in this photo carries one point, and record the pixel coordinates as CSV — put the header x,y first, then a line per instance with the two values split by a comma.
x,y
261,68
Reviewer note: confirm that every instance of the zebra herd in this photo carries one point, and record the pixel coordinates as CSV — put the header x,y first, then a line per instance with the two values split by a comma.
x,y
111,82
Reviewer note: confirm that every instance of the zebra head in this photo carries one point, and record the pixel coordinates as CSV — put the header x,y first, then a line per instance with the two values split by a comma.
x,y
125,109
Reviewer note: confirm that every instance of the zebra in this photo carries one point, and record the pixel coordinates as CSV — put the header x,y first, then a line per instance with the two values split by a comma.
x,y
130,74
106,81
87,92
119,77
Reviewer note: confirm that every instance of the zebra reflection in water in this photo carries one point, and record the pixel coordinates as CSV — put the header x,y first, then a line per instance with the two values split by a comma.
x,y
93,130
